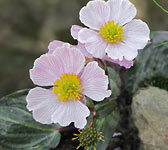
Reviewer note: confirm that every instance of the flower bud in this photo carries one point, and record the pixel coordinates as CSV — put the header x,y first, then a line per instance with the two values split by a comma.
x,y
88,137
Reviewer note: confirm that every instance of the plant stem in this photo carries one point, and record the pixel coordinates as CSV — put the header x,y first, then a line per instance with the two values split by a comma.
x,y
92,119
166,11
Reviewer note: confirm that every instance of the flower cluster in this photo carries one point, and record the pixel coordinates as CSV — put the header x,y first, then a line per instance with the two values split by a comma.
x,y
112,35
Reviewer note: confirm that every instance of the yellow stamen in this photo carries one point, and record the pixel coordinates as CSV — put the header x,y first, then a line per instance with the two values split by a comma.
x,y
75,134
78,147
101,139
68,87
111,32
74,138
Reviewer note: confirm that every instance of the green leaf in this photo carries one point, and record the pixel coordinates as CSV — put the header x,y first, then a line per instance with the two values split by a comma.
x,y
104,109
151,62
18,129
115,82
90,102
106,121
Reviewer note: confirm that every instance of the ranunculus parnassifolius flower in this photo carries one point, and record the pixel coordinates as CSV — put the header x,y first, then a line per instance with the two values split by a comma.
x,y
75,29
70,80
112,30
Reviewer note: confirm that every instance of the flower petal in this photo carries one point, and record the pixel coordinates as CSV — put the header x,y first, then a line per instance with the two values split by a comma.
x,y
71,111
113,51
94,82
75,30
136,34
43,103
82,48
125,63
49,67
54,44
95,14
121,11
70,59
45,70
121,50
94,43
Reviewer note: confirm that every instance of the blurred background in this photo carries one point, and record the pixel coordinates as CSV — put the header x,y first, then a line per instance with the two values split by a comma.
x,y
27,27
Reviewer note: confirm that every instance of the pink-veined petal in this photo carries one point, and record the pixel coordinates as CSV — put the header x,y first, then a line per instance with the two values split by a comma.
x,y
82,48
71,111
53,45
95,14
121,11
94,82
136,34
43,103
113,51
125,63
94,43
71,59
75,30
121,50
45,70
49,67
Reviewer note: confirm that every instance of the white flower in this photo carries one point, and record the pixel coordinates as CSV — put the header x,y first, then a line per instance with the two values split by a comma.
x,y
112,29
64,70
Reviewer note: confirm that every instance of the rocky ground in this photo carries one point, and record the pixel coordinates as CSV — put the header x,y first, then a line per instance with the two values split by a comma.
x,y
150,115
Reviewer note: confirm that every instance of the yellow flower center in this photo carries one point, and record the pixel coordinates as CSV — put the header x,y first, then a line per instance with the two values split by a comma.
x,y
68,87
111,32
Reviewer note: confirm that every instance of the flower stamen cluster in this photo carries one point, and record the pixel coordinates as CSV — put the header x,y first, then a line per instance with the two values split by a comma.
x,y
68,87
111,32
